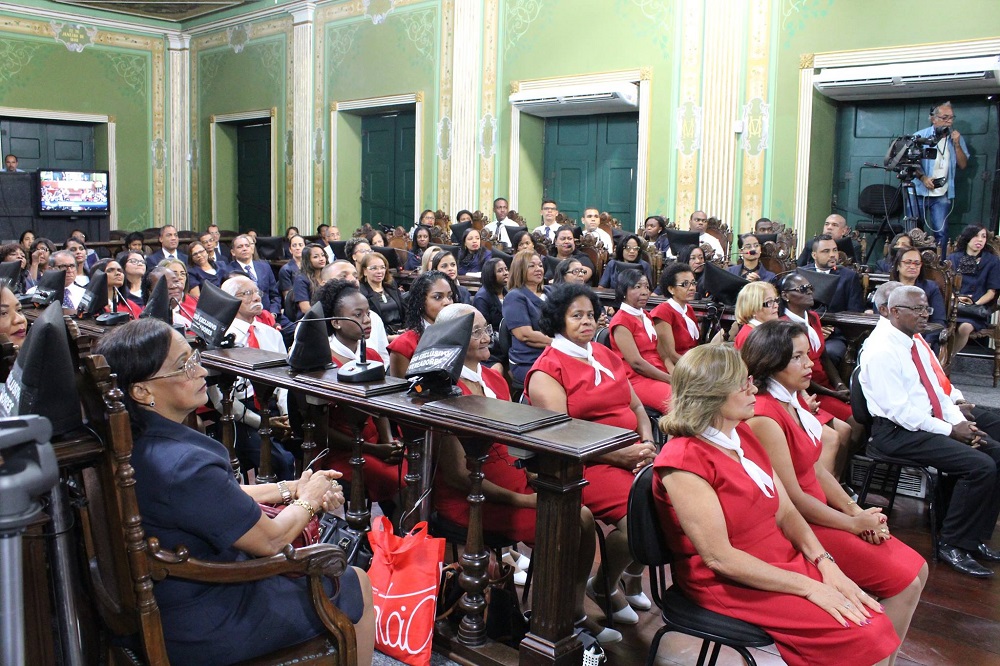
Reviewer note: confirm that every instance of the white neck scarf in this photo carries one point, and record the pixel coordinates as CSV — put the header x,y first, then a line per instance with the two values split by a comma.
x,y
476,376
647,323
562,344
340,349
754,323
692,326
813,336
753,470
809,422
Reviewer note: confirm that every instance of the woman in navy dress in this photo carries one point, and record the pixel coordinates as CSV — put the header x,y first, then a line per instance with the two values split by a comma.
x,y
286,276
628,250
976,261
749,266
655,231
471,254
908,269
201,269
521,309
421,239
187,496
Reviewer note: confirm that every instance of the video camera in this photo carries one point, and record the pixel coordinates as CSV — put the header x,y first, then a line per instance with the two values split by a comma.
x,y
906,152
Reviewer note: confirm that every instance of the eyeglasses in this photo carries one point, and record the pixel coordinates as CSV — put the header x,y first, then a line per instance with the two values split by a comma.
x,y
136,262
65,267
249,293
630,248
771,303
687,284
549,208
577,271
198,253
190,369
482,332
912,263
804,289
747,383
920,310
945,117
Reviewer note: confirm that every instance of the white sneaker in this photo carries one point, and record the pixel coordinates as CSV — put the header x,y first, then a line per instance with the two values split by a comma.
x,y
624,615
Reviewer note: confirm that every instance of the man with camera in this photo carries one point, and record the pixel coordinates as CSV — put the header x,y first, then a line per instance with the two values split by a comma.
x,y
935,188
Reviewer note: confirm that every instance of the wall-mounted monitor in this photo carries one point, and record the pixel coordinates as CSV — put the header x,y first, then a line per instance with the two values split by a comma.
x,y
73,193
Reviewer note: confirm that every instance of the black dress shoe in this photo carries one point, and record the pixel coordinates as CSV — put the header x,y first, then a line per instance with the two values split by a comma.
x,y
984,552
962,562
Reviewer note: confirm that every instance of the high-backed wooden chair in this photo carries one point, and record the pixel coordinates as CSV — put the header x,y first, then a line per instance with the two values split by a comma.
x,y
722,233
124,563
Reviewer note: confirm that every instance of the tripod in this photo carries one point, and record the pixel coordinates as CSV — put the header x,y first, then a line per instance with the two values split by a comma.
x,y
874,201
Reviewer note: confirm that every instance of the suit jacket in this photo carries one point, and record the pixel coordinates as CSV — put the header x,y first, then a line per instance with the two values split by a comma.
x,y
266,282
806,256
222,255
153,260
848,296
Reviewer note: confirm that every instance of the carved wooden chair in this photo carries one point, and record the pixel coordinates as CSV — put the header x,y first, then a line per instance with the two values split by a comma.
x,y
991,333
722,233
124,563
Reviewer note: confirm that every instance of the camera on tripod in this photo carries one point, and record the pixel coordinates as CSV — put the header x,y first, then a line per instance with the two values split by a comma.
x,y
906,152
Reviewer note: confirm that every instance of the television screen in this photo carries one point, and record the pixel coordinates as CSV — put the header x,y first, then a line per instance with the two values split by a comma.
x,y
69,193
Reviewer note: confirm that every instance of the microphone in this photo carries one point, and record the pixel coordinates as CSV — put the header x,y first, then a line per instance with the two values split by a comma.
x,y
358,371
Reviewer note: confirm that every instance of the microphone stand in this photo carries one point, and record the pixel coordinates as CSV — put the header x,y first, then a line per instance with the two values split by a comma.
x,y
359,371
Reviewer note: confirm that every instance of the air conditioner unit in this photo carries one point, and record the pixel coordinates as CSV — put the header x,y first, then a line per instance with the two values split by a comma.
x,y
928,78
578,100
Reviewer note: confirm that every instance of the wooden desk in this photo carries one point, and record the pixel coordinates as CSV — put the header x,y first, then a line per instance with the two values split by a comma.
x,y
560,452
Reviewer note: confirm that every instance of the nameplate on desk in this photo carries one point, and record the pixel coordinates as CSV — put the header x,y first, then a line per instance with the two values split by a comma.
x,y
510,417
328,379
246,358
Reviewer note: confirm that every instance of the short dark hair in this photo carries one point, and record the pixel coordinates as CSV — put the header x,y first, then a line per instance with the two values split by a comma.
x,y
136,236
816,241
25,233
768,349
620,248
320,228
669,276
135,352
503,199
8,249
659,220
572,228
436,260
553,317
488,277
627,279
417,298
551,201
515,239
352,244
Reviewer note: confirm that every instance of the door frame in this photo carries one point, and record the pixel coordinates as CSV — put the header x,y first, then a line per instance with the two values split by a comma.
x,y
93,118
239,117
640,77
369,106
808,98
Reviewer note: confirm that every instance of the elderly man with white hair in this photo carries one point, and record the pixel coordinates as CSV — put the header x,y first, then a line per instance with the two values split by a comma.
x,y
915,418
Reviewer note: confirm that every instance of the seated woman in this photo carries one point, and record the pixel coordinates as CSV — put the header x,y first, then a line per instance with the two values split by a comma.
x,y
428,256
777,357
564,246
202,268
26,240
573,272
117,301
675,321
79,252
749,267
287,273
384,464
134,265
899,242
446,263
38,260
521,310
694,256
13,324
522,240
490,296
307,281
628,250
384,297
655,231
185,302
908,269
471,254
188,497
428,294
421,239
633,337
740,546
510,506
756,303
135,242
976,261
590,382
356,248
14,252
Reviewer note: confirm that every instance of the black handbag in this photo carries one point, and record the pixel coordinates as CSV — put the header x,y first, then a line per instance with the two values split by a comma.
x,y
980,312
336,531
505,622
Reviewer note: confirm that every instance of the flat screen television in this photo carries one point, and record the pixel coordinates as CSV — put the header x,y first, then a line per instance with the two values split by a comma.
x,y
73,193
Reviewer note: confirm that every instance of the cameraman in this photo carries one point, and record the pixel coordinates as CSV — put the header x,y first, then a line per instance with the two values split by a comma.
x,y
934,204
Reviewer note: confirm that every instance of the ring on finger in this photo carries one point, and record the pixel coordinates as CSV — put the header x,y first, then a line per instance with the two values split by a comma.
x,y
848,605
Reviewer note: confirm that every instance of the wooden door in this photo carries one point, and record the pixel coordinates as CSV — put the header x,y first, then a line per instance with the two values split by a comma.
x,y
388,169
253,177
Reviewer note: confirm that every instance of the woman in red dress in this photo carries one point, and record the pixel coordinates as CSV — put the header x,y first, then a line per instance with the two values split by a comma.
x,y
833,395
634,339
590,382
756,304
675,321
429,293
384,463
740,546
777,355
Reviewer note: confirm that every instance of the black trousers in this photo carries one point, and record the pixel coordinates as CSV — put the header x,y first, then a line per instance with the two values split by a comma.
x,y
975,502
988,420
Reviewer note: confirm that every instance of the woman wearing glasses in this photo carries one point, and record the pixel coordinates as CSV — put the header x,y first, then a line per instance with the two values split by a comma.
x,y
187,496
976,261
521,310
675,322
908,269
756,304
627,251
741,548
749,267
135,270
202,268
634,338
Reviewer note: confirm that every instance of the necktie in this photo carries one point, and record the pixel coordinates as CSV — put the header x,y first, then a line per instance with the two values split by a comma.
x,y
169,257
936,365
548,232
252,339
251,273
67,299
926,381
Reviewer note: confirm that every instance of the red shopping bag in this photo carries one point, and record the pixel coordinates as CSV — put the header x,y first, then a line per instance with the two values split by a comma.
x,y
405,572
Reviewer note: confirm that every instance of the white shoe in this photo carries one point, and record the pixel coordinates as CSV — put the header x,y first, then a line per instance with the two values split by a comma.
x,y
523,562
624,615
520,578
638,601
608,636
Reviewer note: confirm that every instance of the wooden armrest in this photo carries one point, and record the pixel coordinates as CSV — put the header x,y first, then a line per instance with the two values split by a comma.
x,y
319,559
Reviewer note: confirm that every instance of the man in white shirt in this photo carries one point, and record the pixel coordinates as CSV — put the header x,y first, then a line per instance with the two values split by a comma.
x,y
345,270
244,410
501,224
550,210
914,418
592,218
699,222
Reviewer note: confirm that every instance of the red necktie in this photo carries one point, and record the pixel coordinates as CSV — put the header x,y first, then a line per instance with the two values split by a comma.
x,y
252,339
926,381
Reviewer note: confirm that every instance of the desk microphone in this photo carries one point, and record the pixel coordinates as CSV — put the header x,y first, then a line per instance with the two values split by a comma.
x,y
358,371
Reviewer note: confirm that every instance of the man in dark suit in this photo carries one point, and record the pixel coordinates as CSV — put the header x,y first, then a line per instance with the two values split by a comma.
x,y
169,240
847,298
218,253
258,271
836,227
221,249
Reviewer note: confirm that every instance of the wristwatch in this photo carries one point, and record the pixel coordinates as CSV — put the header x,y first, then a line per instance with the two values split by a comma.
x,y
286,494
823,556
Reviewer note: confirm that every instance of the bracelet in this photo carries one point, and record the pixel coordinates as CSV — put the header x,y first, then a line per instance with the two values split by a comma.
x,y
312,512
286,494
824,556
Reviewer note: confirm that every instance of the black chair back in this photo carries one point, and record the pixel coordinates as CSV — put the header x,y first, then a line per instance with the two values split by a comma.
x,y
390,254
859,404
457,230
338,247
603,336
271,248
646,540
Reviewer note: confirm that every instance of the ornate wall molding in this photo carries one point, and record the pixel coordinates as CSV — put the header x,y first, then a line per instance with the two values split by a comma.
x,y
302,125
756,115
15,56
445,91
518,18
180,135
464,112
489,157
688,37
74,36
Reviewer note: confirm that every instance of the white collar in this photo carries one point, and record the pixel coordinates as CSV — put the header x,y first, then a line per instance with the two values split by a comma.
x,y
340,349
809,422
476,376
691,325
561,343
754,323
643,317
731,442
